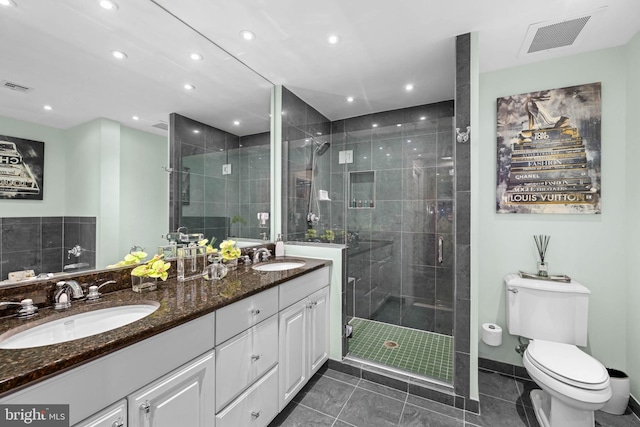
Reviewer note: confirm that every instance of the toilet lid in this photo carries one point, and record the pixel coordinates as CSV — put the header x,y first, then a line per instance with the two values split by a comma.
x,y
567,363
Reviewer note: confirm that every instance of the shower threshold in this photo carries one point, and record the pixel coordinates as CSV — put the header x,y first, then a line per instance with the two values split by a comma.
x,y
401,350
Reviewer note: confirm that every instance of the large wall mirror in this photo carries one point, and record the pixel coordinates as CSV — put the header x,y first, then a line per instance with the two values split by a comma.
x,y
107,169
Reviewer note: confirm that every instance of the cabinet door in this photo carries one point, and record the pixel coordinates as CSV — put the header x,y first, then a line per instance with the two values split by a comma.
x,y
318,329
113,416
293,351
184,397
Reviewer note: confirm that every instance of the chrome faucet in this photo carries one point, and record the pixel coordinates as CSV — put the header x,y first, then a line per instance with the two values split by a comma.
x,y
76,251
63,296
93,294
27,308
266,253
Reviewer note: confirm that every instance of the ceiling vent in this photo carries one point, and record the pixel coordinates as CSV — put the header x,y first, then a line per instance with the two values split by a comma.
x,y
559,34
161,125
15,86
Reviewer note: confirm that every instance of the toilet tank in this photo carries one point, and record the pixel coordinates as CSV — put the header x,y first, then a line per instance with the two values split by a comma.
x,y
547,310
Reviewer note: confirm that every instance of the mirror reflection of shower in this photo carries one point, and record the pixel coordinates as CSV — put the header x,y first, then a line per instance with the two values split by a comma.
x,y
313,211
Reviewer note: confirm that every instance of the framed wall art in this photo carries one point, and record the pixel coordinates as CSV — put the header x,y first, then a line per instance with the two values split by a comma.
x,y
549,147
21,168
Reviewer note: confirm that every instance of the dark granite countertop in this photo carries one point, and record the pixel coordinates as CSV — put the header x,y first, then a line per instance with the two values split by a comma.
x,y
179,302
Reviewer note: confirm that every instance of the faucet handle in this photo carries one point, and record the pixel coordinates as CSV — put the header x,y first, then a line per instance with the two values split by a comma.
x,y
94,293
246,259
27,308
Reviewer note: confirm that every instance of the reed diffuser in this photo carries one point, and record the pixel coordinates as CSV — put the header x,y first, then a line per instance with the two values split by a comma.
x,y
542,242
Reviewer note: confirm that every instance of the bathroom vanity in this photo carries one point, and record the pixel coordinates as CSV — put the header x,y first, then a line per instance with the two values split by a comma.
x,y
227,353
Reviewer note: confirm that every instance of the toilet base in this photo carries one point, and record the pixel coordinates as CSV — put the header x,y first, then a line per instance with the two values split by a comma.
x,y
552,412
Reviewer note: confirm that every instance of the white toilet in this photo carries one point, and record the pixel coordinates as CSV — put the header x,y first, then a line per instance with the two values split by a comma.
x,y
553,316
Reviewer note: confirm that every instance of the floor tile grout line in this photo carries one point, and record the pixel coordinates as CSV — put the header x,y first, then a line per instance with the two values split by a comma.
x,y
315,410
404,405
347,401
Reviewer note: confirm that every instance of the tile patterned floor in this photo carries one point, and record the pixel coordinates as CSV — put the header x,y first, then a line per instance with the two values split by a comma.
x,y
424,353
340,400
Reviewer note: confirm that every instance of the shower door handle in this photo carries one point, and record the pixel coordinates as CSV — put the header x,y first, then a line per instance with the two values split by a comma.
x,y
440,246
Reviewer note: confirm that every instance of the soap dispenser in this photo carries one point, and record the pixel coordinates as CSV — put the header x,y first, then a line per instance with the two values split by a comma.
x,y
279,246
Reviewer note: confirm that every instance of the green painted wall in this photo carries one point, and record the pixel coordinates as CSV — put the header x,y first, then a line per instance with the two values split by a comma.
x,y
144,195
588,248
633,208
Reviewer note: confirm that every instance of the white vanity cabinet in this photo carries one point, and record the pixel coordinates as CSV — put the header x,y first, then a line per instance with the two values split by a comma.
x,y
181,398
246,361
113,416
304,332
256,407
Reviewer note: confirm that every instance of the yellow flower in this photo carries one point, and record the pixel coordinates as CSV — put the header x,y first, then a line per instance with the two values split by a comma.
x,y
228,250
156,268
130,259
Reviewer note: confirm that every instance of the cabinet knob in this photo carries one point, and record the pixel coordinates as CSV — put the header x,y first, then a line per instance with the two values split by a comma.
x,y
118,423
255,414
255,312
255,357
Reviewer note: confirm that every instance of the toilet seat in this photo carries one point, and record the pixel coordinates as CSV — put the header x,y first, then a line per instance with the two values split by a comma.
x,y
568,364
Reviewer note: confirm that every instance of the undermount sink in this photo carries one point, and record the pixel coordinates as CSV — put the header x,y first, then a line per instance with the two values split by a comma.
x,y
279,266
74,327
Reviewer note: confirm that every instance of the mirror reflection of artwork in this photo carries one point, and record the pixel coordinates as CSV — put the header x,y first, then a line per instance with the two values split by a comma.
x,y
21,168
549,149
185,191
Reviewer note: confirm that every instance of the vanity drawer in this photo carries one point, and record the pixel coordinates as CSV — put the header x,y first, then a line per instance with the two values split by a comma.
x,y
241,315
303,286
244,358
254,408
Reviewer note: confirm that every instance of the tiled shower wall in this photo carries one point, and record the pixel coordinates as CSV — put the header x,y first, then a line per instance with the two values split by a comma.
x,y
394,273
42,244
205,200
300,122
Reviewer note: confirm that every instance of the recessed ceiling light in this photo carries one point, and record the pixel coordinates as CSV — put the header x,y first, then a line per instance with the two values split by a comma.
x,y
108,5
408,87
399,124
333,39
423,118
118,54
48,107
247,35
375,125
236,122
196,56
196,131
8,3
350,99
135,118
189,86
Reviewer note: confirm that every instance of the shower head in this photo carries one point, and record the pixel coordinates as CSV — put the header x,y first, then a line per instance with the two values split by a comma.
x,y
321,147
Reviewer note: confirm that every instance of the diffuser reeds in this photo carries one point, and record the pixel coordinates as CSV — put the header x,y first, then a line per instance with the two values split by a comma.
x,y
542,242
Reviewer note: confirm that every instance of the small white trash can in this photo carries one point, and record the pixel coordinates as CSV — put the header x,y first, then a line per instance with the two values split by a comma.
x,y
620,390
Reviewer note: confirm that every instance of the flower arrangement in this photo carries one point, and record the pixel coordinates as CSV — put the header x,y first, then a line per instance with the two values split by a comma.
x,y
209,246
131,258
311,234
156,268
229,251
328,235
